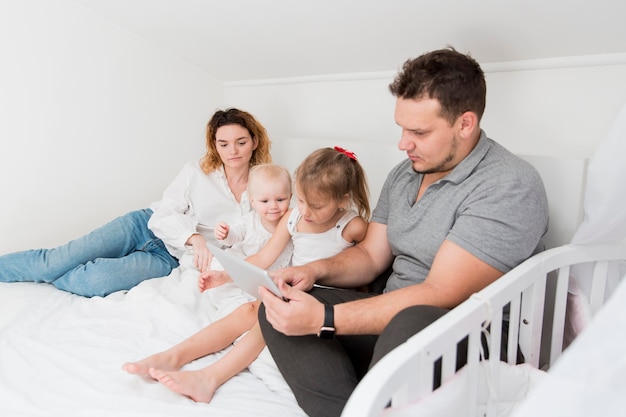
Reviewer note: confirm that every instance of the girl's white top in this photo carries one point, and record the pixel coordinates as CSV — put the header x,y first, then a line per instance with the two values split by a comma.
x,y
194,203
308,247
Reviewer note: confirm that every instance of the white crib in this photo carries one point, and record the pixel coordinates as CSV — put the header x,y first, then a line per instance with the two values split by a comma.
x,y
404,378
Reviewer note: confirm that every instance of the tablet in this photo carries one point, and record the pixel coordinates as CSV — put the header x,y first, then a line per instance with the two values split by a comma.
x,y
247,276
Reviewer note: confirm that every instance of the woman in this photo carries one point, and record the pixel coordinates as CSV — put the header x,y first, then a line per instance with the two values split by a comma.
x,y
147,243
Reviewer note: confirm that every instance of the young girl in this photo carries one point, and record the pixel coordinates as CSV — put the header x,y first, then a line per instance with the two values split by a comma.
x,y
332,208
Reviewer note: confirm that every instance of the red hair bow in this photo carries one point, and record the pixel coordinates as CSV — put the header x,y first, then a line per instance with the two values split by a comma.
x,y
346,152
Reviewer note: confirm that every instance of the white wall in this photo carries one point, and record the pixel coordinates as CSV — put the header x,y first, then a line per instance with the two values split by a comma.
x,y
541,108
94,122
548,108
555,111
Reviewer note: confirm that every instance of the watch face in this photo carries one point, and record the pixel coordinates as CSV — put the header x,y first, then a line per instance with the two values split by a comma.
x,y
327,333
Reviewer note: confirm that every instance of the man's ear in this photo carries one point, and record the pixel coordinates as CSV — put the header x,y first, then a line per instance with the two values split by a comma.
x,y
468,123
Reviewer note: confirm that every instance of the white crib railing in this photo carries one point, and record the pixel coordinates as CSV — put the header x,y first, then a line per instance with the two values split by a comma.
x,y
407,374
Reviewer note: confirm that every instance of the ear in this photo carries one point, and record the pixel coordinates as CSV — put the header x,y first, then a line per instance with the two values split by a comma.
x,y
345,201
468,124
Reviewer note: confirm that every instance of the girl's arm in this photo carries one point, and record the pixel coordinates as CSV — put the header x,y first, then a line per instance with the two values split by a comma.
x,y
274,247
355,230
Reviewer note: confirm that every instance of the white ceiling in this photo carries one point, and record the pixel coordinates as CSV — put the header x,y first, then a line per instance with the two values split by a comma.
x,y
237,40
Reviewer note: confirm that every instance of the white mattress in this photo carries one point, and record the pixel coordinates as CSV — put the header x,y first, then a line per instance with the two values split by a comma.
x,y
61,354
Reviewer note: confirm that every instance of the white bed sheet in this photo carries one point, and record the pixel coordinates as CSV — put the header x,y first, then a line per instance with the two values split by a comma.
x,y
61,354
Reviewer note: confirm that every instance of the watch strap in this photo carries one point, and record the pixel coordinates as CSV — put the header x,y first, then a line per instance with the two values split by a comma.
x,y
328,329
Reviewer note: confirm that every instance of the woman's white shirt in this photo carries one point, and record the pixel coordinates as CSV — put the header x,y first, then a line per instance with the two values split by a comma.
x,y
194,203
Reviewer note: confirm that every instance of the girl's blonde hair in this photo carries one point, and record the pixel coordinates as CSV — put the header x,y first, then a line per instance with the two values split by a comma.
x,y
211,160
335,173
271,172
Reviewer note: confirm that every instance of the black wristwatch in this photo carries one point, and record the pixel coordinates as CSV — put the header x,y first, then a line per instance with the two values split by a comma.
x,y
328,329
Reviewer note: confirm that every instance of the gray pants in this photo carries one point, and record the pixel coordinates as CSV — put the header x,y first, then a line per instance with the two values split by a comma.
x,y
323,373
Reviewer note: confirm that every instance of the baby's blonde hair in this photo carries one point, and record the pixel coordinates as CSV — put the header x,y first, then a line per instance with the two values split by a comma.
x,y
335,173
268,172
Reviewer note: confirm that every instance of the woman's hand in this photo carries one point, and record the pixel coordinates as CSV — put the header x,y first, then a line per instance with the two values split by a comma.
x,y
202,256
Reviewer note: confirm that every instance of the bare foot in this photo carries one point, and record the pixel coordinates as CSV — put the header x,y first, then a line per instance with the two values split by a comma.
x,y
212,278
198,385
161,360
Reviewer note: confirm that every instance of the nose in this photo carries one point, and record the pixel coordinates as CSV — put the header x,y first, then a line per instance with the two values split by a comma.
x,y
405,144
303,209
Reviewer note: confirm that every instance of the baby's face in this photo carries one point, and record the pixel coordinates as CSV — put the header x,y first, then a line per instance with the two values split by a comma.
x,y
271,200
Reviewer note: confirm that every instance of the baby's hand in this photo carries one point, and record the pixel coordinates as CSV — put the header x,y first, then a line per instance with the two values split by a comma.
x,y
212,279
221,231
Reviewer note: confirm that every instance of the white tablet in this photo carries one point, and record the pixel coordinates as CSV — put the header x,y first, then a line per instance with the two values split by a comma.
x,y
247,276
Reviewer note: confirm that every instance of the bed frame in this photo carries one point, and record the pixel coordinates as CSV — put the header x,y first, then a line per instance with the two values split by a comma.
x,y
405,376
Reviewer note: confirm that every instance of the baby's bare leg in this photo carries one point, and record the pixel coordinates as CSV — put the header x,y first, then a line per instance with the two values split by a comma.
x,y
200,385
212,338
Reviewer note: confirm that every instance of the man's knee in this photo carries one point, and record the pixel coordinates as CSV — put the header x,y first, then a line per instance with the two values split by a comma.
x,y
263,323
403,325
412,320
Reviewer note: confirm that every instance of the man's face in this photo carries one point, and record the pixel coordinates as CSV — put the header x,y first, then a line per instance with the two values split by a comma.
x,y
429,140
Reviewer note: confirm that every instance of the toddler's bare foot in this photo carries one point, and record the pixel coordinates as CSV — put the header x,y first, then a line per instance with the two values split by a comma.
x,y
159,360
212,278
197,385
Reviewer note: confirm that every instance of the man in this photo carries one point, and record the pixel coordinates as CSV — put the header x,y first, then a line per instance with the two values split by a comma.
x,y
452,218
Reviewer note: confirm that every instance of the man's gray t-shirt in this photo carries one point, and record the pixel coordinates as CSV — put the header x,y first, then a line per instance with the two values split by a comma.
x,y
493,205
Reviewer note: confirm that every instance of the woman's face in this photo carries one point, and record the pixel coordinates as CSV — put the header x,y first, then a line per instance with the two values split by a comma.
x,y
234,146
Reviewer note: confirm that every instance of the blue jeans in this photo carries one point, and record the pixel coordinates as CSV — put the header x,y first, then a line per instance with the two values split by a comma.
x,y
114,257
